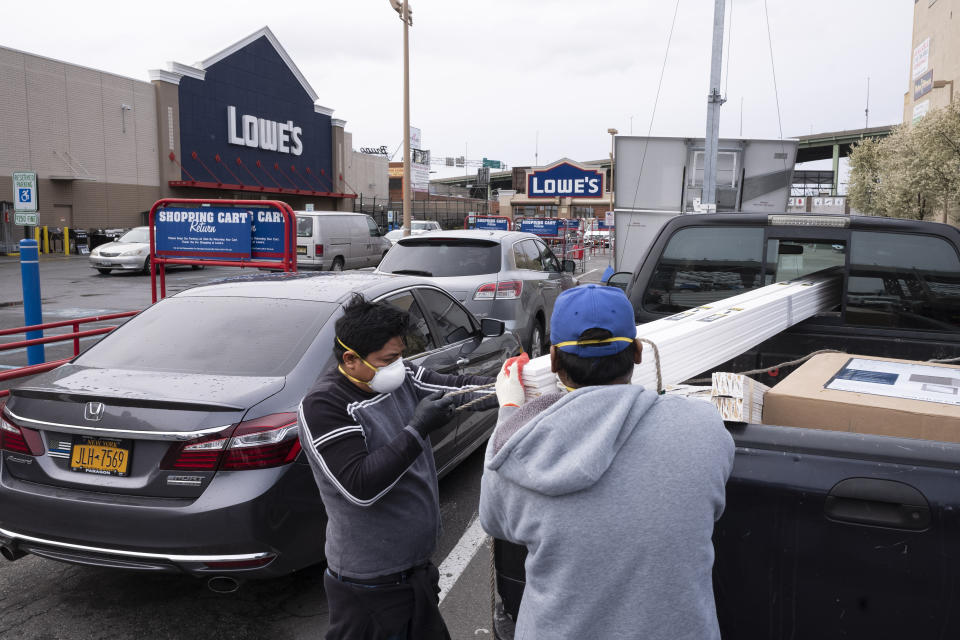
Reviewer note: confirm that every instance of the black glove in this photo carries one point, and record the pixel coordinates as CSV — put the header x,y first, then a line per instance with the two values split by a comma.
x,y
433,412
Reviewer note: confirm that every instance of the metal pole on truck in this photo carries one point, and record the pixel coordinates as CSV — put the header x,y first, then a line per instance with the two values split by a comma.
x,y
709,196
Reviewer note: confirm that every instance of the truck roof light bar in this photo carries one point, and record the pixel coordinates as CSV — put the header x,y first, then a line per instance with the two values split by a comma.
x,y
837,222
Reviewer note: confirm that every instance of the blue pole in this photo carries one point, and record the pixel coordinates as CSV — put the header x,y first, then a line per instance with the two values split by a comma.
x,y
32,311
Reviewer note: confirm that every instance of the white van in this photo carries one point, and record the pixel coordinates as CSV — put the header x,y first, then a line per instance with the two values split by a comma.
x,y
333,241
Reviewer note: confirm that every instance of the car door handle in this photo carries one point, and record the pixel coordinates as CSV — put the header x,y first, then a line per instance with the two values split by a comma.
x,y
462,362
883,503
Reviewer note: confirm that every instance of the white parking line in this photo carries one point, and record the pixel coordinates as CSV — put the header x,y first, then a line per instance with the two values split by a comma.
x,y
460,556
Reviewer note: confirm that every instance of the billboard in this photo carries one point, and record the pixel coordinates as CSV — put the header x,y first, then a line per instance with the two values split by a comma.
x,y
921,58
923,85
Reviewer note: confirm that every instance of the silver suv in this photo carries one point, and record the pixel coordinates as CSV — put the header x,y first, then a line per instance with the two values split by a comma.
x,y
508,275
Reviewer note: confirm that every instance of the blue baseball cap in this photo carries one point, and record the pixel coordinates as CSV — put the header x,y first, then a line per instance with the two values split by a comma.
x,y
592,306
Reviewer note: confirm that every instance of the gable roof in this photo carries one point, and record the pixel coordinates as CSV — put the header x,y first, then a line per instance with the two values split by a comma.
x,y
272,39
175,70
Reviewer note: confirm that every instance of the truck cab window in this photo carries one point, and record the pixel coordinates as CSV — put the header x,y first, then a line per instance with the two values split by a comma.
x,y
901,280
792,259
705,264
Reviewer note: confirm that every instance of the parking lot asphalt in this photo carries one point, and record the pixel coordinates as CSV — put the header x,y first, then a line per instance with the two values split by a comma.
x,y
42,598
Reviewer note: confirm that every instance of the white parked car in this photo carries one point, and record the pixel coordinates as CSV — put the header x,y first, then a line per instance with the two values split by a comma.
x,y
129,252
416,228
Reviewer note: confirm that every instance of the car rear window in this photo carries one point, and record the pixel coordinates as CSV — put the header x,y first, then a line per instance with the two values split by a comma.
x,y
443,257
216,335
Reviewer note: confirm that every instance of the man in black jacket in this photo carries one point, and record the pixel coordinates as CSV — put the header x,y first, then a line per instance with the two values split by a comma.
x,y
365,428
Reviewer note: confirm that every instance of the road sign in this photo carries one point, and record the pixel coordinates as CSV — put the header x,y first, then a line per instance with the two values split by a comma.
x,y
492,164
25,219
25,191
483,176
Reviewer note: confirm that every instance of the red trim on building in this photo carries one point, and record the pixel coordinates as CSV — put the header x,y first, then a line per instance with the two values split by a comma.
x,y
259,189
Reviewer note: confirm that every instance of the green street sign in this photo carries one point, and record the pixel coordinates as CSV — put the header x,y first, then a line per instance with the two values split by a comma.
x,y
491,164
25,219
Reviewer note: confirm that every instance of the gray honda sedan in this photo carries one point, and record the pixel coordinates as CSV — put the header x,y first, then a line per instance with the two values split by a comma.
x,y
171,445
508,275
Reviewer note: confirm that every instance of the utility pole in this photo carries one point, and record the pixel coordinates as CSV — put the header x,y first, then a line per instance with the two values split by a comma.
x,y
866,112
709,196
402,7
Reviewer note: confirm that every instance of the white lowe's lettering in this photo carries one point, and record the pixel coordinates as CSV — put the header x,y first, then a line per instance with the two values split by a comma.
x,y
268,135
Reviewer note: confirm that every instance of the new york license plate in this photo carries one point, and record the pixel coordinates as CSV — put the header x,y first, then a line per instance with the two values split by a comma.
x,y
104,456
301,250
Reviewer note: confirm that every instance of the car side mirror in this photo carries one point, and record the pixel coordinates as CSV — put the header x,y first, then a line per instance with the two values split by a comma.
x,y
490,328
569,266
620,280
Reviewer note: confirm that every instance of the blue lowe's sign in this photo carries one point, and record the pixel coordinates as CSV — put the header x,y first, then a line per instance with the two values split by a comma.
x,y
565,180
248,117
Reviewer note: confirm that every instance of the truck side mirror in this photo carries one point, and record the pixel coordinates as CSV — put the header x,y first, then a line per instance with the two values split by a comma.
x,y
620,280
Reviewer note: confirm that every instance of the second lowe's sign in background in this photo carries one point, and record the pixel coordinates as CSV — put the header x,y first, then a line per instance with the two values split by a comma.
x,y
564,179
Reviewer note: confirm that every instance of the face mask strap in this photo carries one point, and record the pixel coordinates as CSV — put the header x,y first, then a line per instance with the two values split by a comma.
x,y
356,354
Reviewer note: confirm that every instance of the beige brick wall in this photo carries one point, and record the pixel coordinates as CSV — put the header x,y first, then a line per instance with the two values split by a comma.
x,y
937,21
63,120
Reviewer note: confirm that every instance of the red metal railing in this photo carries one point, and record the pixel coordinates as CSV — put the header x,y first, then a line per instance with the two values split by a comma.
x,y
75,335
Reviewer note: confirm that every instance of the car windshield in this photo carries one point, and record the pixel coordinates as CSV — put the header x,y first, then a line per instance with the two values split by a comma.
x,y
443,257
424,226
224,336
140,234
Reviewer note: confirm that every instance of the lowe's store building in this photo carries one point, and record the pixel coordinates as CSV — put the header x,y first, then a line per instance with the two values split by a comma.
x,y
242,124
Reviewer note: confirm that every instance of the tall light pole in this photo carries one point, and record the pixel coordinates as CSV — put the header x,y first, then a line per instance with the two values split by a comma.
x,y
709,196
613,133
402,7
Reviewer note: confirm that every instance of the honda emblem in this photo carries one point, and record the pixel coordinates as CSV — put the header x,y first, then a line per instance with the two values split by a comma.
x,y
93,411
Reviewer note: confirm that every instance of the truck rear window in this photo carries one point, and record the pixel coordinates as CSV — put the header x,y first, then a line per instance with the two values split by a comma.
x,y
701,265
443,257
902,280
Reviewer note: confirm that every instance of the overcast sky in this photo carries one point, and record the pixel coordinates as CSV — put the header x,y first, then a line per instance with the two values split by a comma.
x,y
488,76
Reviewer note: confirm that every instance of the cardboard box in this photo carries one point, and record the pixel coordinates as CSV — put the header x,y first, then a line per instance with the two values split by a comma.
x,y
863,394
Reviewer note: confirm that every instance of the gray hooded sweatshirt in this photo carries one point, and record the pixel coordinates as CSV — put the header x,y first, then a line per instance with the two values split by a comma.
x,y
614,492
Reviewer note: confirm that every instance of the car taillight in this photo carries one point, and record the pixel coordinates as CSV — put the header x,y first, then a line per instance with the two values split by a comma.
x,y
270,441
506,290
18,439
318,250
202,454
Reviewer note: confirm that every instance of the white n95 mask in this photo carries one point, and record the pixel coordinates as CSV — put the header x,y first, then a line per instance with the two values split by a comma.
x,y
385,379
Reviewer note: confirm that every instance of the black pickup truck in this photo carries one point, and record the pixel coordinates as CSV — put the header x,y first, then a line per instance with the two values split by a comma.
x,y
826,534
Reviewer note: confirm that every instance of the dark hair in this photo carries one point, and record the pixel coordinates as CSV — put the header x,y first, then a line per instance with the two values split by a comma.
x,y
366,326
588,372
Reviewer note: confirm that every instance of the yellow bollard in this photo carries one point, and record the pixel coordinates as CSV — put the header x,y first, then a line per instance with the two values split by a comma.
x,y
46,240
36,236
66,241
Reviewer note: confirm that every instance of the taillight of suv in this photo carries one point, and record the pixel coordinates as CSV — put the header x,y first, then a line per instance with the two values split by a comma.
x,y
270,441
17,439
506,290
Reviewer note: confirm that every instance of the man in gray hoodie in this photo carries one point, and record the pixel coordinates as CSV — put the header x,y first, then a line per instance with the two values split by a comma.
x,y
612,489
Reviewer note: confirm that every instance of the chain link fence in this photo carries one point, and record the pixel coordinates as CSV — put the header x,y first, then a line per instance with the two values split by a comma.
x,y
449,213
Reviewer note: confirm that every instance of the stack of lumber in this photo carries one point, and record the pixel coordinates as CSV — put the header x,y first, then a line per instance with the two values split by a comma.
x,y
705,337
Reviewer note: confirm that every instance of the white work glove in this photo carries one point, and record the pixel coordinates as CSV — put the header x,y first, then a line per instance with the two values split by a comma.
x,y
510,381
